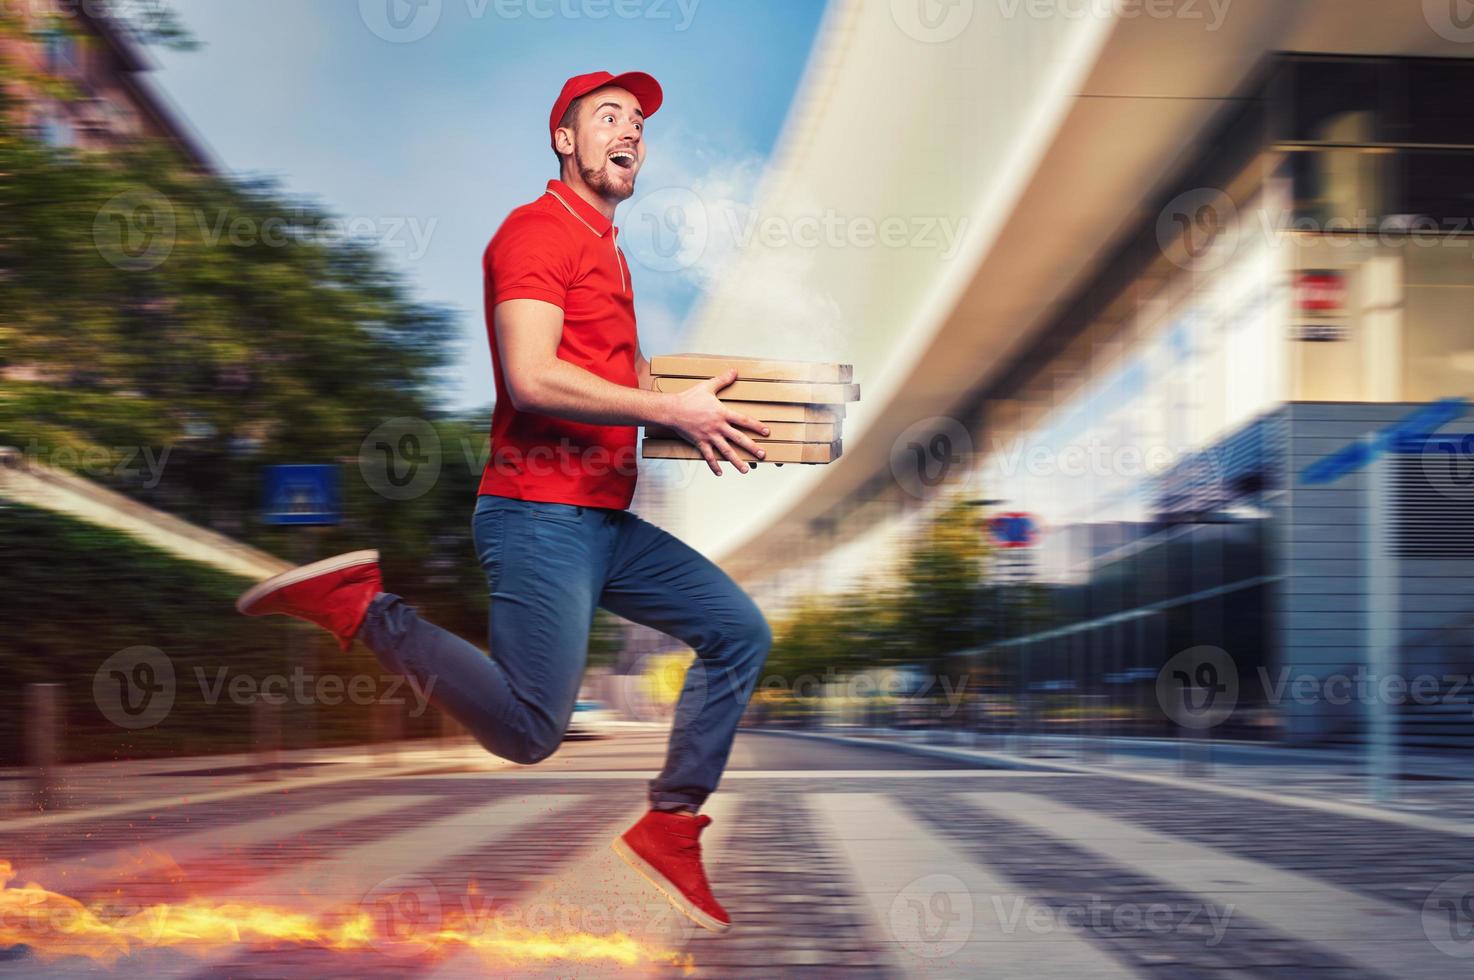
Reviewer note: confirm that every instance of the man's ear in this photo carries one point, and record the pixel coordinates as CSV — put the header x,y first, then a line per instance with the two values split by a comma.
x,y
563,140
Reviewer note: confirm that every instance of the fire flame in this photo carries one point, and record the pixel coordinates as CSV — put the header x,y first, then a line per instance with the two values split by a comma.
x,y
52,926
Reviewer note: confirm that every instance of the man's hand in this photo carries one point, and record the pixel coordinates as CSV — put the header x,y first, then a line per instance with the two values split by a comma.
x,y
704,421
527,336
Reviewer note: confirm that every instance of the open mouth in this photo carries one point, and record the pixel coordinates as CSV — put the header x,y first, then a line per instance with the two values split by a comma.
x,y
623,160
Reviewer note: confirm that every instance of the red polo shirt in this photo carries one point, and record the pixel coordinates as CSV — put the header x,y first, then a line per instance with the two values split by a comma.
x,y
561,250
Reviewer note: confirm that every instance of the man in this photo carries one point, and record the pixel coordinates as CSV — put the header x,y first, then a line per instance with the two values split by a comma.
x,y
551,528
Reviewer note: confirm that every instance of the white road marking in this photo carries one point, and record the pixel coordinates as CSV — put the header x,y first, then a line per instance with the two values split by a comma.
x,y
936,914
745,774
1361,929
348,877
599,893
88,871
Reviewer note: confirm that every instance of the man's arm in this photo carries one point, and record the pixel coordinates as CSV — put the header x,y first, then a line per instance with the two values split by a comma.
x,y
527,335
642,368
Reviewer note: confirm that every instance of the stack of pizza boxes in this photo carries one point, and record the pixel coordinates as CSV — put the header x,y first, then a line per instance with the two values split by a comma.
x,y
801,403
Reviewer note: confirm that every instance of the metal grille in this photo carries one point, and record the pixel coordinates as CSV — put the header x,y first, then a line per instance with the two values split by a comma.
x,y
1433,505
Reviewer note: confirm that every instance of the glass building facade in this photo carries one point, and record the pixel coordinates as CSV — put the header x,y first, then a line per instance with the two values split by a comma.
x,y
1309,278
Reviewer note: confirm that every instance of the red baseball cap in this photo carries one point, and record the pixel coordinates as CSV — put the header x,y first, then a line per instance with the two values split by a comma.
x,y
640,85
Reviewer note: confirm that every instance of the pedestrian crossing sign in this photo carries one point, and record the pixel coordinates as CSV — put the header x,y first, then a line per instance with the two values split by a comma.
x,y
301,494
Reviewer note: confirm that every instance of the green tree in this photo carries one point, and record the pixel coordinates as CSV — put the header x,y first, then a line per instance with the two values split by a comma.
x,y
929,608
216,326
940,608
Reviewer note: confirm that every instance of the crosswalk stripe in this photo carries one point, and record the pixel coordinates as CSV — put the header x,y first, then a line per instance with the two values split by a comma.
x,y
940,916
604,895
88,871
348,876
805,775
1354,926
351,872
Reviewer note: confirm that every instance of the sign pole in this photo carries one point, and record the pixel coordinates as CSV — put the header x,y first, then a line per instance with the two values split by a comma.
x,y
306,495
1381,628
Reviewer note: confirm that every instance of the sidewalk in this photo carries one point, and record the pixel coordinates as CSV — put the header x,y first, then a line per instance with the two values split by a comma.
x,y
1433,793
87,790
102,789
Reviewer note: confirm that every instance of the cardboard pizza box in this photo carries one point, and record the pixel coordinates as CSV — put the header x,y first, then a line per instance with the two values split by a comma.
x,y
777,432
807,392
749,368
787,411
777,452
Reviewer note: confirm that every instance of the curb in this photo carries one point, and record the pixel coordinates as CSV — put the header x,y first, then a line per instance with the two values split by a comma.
x,y
1444,825
974,758
42,821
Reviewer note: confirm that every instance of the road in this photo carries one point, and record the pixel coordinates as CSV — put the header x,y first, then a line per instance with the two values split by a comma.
x,y
831,859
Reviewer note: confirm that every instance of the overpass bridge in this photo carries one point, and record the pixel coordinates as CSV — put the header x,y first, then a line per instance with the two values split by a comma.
x,y
1011,146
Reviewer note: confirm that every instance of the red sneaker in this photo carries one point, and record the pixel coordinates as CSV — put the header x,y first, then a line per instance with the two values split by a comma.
x,y
333,593
664,847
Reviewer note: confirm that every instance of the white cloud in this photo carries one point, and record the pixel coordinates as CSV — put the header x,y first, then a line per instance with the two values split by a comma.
x,y
694,223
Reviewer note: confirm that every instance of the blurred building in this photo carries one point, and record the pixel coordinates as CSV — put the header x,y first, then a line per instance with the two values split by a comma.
x,y
104,100
1305,282
1199,258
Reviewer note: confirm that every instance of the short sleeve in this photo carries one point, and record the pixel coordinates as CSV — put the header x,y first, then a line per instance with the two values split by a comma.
x,y
530,257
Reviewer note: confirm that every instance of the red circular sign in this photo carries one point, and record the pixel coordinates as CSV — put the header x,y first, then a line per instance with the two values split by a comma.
x,y
1014,530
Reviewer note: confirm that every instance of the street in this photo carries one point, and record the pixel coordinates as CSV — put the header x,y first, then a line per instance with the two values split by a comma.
x,y
829,857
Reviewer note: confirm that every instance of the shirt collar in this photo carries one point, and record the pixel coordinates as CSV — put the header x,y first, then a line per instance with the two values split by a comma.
x,y
579,208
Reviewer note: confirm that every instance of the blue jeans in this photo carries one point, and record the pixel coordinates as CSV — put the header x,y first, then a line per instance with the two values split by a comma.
x,y
547,567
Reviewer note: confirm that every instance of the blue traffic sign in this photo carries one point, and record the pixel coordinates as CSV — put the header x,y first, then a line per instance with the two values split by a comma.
x,y
301,494
1412,429
1015,530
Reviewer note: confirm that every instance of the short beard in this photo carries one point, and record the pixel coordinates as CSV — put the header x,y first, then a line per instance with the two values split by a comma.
x,y
600,181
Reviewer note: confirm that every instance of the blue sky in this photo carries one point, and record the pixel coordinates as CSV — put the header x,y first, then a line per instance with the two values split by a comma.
x,y
425,121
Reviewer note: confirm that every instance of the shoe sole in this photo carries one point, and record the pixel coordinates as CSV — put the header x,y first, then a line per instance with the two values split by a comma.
x,y
664,886
302,573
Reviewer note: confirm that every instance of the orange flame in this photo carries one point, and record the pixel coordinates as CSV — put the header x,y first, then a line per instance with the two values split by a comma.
x,y
52,926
